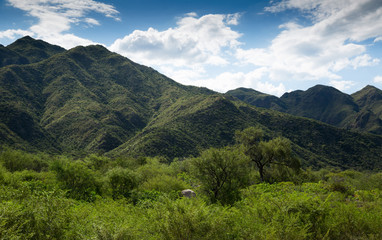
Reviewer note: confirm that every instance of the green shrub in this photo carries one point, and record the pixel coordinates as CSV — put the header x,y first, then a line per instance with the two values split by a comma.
x,y
189,219
164,183
122,181
222,173
17,160
80,181
43,216
97,163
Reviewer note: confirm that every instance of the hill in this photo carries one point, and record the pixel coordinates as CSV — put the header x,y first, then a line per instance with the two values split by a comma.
x,y
90,100
361,111
258,99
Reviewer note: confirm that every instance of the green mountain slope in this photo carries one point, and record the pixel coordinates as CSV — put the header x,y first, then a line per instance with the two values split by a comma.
x,y
258,99
90,100
34,50
322,103
8,57
361,111
212,121
27,50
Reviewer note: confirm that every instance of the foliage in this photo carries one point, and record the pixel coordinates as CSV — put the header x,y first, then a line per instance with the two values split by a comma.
x,y
122,182
78,179
16,160
71,200
267,153
222,173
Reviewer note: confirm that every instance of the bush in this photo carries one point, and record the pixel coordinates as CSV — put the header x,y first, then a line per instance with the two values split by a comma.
x,y
40,216
122,181
189,219
81,182
222,173
17,160
165,184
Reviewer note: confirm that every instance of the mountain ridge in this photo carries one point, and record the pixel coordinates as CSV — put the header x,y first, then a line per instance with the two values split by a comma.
x,y
361,111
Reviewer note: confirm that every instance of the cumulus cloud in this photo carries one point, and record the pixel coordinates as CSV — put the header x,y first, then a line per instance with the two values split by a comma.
x,y
342,85
14,33
55,17
226,81
378,79
194,41
185,51
331,43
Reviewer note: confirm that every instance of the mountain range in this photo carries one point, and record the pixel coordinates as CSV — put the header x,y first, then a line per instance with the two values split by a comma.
x,y
90,100
361,111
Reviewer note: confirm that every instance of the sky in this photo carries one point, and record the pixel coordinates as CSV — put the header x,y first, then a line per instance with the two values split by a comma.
x,y
272,46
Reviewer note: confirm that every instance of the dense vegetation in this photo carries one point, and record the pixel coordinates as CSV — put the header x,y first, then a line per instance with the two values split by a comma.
x,y
58,197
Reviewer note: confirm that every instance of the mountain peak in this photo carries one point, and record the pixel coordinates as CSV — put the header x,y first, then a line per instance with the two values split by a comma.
x,y
27,40
367,96
34,50
323,103
369,88
257,98
324,88
244,91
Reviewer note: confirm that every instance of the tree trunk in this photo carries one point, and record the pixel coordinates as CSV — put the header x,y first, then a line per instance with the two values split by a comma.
x,y
261,171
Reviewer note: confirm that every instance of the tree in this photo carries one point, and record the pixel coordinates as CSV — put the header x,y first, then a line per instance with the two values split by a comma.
x,y
222,172
122,181
266,153
80,181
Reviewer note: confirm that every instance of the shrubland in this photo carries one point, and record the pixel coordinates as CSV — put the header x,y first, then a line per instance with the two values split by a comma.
x,y
46,196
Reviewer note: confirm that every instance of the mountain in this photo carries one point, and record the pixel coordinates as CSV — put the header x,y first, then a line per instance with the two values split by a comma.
x,y
322,103
34,50
90,100
361,111
258,99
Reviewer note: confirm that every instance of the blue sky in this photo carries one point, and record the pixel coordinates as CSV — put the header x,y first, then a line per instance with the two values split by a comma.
x,y
271,46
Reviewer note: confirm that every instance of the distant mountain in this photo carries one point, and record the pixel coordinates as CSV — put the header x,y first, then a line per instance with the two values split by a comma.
x,y
90,100
322,103
360,111
258,99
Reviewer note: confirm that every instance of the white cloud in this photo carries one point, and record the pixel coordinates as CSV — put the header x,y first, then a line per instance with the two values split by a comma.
x,y
92,21
330,44
378,79
364,61
56,16
187,50
194,41
14,33
267,87
342,85
191,14
230,80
